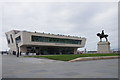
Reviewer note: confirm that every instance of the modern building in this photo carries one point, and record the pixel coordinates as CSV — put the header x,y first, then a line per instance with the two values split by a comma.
x,y
42,43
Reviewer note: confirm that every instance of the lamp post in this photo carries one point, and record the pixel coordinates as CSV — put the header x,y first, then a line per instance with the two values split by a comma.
x,y
17,49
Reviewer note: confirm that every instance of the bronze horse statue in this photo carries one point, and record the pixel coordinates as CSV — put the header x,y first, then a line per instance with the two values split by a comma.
x,y
102,35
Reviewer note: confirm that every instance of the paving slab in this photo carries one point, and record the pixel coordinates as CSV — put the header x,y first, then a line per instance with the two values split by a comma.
x,y
22,67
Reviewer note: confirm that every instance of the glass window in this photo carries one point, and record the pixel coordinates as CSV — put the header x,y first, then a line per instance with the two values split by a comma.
x,y
54,40
8,40
18,39
11,38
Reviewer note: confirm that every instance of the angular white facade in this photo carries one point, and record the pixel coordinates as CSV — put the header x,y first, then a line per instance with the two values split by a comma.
x,y
42,43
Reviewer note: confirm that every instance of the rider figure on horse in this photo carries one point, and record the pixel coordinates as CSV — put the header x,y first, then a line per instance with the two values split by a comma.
x,y
102,32
102,35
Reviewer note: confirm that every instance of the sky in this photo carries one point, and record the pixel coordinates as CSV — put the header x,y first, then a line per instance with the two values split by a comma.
x,y
83,19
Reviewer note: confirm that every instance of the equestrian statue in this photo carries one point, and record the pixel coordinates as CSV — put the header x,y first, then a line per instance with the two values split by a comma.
x,y
102,35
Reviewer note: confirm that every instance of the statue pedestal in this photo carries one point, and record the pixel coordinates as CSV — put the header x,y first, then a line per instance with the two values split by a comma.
x,y
103,47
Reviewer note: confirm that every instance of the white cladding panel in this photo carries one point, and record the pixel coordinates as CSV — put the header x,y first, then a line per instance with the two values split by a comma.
x,y
26,36
26,40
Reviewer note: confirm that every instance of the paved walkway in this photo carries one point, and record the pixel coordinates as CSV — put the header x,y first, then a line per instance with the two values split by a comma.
x,y
21,67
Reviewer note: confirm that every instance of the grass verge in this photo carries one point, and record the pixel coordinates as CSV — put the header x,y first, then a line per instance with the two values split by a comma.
x,y
72,56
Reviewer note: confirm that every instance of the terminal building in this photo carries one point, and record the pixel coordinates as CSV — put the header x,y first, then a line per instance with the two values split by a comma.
x,y
43,43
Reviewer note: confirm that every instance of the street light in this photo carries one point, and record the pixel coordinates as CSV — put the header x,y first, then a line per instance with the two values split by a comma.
x,y
17,49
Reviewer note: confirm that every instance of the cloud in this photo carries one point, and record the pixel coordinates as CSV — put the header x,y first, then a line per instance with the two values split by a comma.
x,y
70,18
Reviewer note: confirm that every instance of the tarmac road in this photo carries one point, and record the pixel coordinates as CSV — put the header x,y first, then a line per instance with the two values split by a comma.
x,y
13,67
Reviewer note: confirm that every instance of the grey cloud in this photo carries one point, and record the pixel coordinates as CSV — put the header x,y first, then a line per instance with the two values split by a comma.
x,y
81,19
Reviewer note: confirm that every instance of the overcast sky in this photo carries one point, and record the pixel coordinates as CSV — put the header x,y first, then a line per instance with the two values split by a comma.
x,y
84,19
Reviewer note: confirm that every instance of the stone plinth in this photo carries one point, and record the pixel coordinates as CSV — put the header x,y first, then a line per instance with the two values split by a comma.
x,y
103,47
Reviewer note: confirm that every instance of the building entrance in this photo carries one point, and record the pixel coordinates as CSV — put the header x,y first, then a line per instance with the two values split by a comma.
x,y
49,50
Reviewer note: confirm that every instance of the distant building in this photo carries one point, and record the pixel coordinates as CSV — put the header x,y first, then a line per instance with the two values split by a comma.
x,y
42,43
3,52
91,51
116,51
